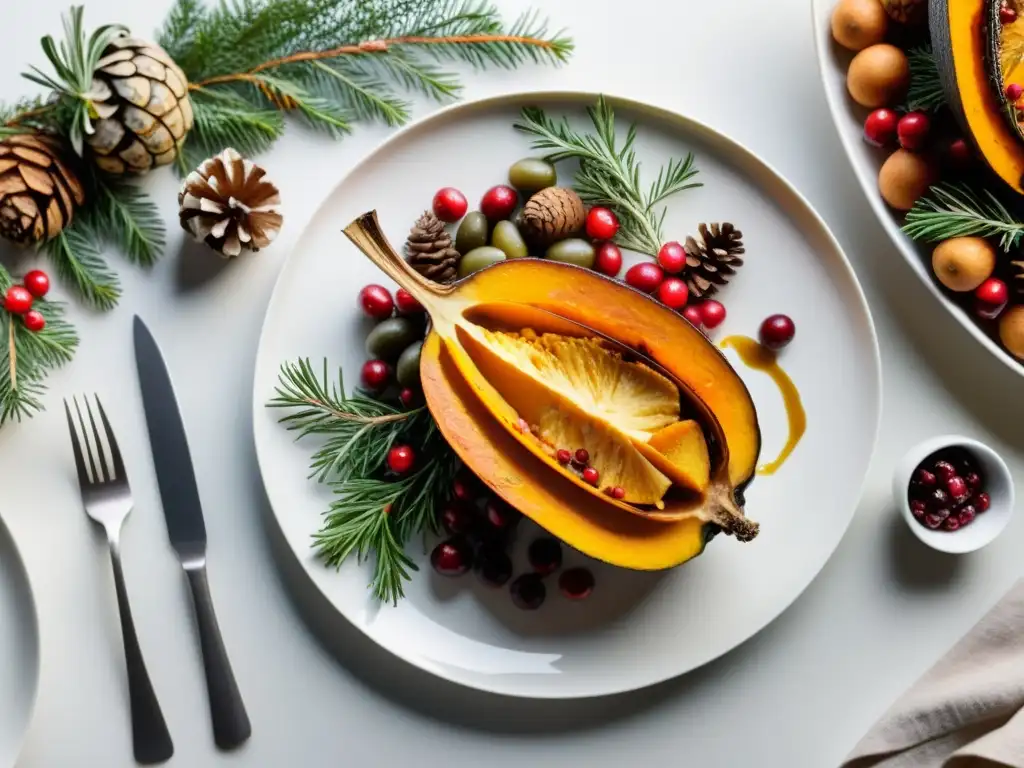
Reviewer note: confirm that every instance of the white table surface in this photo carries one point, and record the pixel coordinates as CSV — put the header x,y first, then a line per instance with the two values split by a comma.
x,y
799,694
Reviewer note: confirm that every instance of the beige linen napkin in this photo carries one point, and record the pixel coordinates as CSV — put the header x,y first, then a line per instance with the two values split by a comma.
x,y
967,710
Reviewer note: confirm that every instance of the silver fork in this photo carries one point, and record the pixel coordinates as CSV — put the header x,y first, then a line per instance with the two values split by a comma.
x,y
108,500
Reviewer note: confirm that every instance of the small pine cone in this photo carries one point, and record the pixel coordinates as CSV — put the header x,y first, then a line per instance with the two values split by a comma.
x,y
712,258
227,203
38,193
429,250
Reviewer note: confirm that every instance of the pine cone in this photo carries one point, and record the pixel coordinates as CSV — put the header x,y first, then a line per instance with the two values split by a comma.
x,y
227,203
429,250
712,258
38,193
141,98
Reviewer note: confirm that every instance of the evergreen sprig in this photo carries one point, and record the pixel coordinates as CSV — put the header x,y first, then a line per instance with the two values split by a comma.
x,y
34,355
956,210
373,513
75,255
925,92
609,173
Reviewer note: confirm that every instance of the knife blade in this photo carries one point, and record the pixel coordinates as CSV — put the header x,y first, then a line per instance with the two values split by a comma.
x,y
187,532
171,458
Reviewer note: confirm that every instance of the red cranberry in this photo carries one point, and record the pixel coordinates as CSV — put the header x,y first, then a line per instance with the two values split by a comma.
x,y
528,592
957,487
933,521
545,555
18,300
942,512
945,470
36,282
601,224
993,292
376,302
408,397
34,320
608,259
375,374
712,313
880,127
967,514
576,583
591,476
673,293
672,257
450,204
462,488
500,514
452,557
407,303
645,276
563,455
982,502
582,456
499,202
938,499
1007,15
495,567
1014,91
912,130
973,480
457,518
777,331
951,523
959,154
400,459
918,508
925,478
617,492
692,313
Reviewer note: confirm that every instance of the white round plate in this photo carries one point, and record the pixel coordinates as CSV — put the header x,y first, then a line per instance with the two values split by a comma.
x,y
19,650
833,61
638,628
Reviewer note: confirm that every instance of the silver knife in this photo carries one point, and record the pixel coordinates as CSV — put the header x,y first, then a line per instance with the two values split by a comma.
x,y
187,531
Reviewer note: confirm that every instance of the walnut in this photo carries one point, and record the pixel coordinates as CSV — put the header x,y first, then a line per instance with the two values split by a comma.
x,y
552,214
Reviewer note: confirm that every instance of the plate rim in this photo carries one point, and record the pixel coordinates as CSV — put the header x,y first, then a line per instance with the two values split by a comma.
x,y
902,243
664,112
33,629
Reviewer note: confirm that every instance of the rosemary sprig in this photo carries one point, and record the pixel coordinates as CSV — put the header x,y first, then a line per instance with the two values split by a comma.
x,y
925,92
956,210
609,174
372,513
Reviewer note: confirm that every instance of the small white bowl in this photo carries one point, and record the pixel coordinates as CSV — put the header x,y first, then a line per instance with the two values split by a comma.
x,y
998,483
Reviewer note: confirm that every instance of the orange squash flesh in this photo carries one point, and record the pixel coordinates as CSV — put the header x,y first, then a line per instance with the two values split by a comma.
x,y
958,37
570,513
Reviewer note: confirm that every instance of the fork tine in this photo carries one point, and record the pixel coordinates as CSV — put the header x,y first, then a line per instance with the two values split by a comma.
x,y
101,458
115,452
85,439
76,447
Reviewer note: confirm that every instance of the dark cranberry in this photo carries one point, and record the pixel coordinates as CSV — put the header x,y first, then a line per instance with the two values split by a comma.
x,y
951,523
942,512
925,478
528,592
982,501
917,507
500,514
452,557
495,567
545,555
967,514
576,583
938,498
462,488
957,487
564,455
457,518
582,456
932,521
944,469
973,480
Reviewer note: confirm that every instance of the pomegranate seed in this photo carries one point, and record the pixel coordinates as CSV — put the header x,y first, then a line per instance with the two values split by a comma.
x,y
957,487
967,514
932,521
926,478
591,476
582,456
973,480
938,498
563,455
917,507
945,469
982,501
951,523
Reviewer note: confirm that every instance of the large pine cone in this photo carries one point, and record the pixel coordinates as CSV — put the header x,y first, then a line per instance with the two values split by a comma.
x,y
429,250
712,258
38,193
141,98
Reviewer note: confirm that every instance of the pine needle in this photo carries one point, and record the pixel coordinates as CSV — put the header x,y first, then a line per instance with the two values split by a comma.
x,y
925,92
77,259
127,217
955,210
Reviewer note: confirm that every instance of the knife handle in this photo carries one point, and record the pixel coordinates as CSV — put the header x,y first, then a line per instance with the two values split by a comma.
x,y
231,725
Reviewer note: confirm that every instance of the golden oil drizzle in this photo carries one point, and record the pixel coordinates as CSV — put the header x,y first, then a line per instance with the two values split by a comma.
x,y
760,358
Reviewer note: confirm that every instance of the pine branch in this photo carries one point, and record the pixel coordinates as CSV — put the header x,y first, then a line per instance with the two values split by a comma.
x,y
609,173
225,119
127,217
77,259
359,89
925,92
956,210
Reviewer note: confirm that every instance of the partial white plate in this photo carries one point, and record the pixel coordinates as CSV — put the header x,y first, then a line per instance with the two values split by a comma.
x,y
638,628
19,650
833,61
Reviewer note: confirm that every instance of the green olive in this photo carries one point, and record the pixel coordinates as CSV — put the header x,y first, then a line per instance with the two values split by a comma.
x,y
472,233
479,258
573,251
390,337
408,367
507,239
531,174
